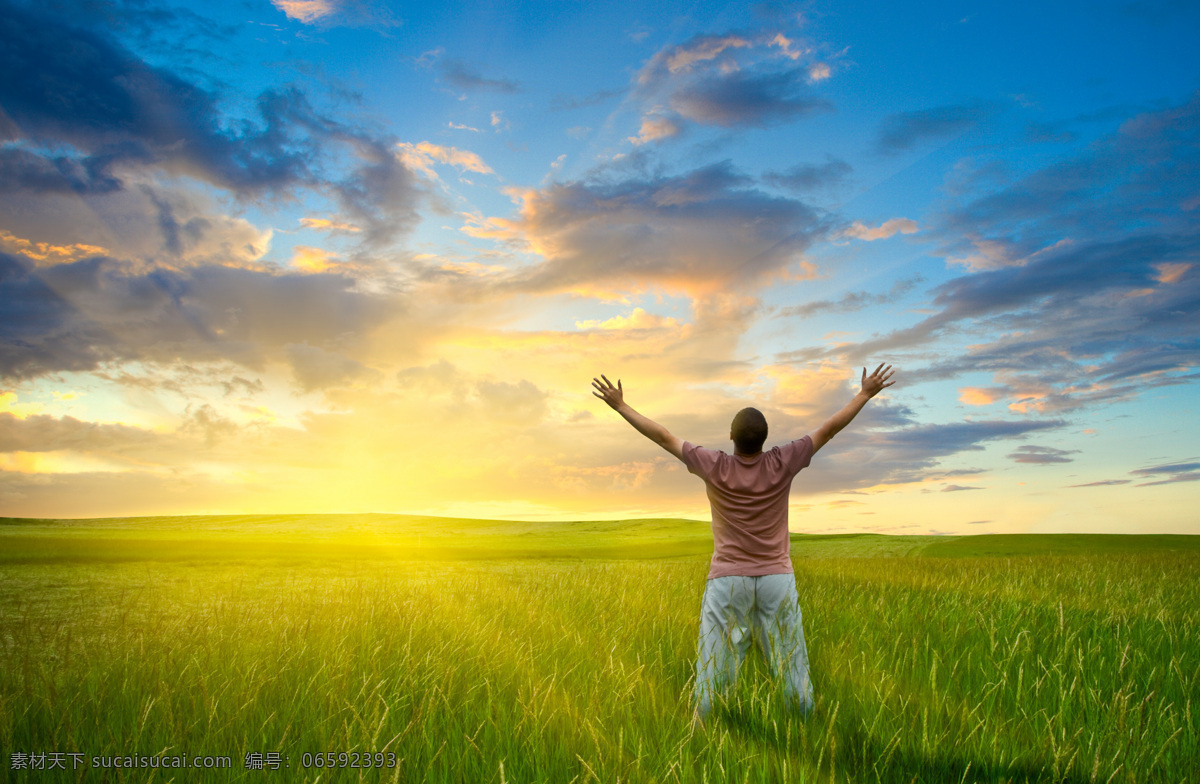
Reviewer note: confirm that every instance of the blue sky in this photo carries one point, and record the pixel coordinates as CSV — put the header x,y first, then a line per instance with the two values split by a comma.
x,y
317,255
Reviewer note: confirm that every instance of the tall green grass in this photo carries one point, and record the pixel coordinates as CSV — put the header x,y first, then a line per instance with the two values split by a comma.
x,y
985,668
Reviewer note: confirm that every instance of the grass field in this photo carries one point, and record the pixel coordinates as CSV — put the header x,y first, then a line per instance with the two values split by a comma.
x,y
520,652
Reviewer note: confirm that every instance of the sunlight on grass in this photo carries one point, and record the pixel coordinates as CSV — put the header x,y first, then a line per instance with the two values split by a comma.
x,y
1075,668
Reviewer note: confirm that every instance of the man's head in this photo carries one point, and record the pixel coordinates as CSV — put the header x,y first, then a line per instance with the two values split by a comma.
x,y
748,431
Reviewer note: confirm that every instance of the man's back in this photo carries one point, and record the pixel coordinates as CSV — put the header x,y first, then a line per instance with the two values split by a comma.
x,y
749,500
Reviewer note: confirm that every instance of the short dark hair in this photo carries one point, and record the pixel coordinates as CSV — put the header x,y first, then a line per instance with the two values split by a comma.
x,y
749,431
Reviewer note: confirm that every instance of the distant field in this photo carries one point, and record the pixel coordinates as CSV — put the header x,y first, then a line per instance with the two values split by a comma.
x,y
518,652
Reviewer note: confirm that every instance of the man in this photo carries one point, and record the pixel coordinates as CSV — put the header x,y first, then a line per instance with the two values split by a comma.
x,y
751,588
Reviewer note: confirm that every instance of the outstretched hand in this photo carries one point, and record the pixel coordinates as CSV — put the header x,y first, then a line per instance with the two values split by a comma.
x,y
614,396
873,384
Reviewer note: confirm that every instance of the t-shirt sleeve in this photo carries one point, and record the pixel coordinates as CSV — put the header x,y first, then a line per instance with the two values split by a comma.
x,y
799,454
699,461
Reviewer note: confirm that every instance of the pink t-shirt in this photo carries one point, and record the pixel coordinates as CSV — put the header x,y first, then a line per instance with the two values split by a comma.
x,y
749,500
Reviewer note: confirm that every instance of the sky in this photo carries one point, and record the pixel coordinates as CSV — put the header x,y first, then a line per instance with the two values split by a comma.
x,y
292,256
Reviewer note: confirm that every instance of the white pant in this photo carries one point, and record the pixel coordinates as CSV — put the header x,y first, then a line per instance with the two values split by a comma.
x,y
737,610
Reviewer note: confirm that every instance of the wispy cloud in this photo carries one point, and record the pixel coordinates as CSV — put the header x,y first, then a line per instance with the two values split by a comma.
x,y
465,77
1041,455
889,228
904,130
1172,473
852,301
805,178
421,156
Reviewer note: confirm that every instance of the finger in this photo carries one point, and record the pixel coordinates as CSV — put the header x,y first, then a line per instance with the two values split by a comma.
x,y
619,389
864,375
606,381
876,373
597,394
888,384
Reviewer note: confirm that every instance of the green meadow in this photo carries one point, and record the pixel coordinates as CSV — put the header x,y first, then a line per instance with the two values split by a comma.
x,y
449,650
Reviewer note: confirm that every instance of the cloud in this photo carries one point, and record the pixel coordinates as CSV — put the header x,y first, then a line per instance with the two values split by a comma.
x,y
887,449
904,130
638,319
956,488
818,72
381,194
852,301
1094,295
44,433
98,118
1104,483
306,11
1175,472
730,80
859,231
422,155
741,98
701,49
81,315
464,77
45,253
702,231
326,13
316,368
1041,455
655,129
102,100
978,396
309,259
332,226
805,178
169,226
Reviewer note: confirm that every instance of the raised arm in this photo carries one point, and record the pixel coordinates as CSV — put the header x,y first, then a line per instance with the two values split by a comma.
x,y
615,397
872,385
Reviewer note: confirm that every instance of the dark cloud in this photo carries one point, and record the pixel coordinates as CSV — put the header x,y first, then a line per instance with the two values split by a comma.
x,y
80,315
1086,270
22,170
1104,483
1041,455
380,194
96,110
146,21
1173,472
750,99
957,488
904,130
463,77
703,230
868,455
728,80
805,178
939,440
93,94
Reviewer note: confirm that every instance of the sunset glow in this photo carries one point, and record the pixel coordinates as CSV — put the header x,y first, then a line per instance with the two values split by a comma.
x,y
320,256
